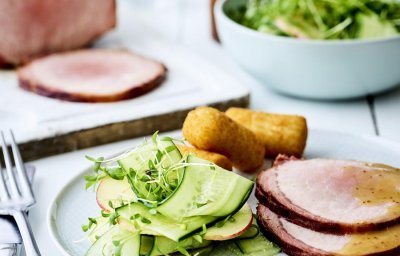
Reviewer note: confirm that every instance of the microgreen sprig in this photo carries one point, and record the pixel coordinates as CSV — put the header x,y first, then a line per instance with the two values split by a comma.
x,y
91,223
155,174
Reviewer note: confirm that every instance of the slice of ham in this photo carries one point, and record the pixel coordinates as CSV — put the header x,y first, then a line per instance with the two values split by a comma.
x,y
33,28
98,75
332,196
299,241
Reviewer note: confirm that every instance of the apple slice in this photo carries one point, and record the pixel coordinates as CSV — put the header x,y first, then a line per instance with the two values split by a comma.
x,y
241,221
116,191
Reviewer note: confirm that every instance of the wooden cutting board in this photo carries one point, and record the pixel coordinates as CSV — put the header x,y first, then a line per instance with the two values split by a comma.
x,y
45,126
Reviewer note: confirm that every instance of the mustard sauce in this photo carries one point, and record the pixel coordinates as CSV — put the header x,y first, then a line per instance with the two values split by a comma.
x,y
380,187
377,187
371,242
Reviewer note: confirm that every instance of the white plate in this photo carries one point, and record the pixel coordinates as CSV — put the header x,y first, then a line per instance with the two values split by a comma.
x,y
72,206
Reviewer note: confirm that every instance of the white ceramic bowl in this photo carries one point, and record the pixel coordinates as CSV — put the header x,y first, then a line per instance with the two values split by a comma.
x,y
339,69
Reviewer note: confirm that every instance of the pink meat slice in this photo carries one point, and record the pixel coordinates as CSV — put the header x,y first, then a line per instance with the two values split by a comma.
x,y
319,194
299,241
98,75
33,28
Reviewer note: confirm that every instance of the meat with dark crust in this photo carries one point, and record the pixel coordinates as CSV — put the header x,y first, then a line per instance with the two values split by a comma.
x,y
34,28
99,75
269,193
273,228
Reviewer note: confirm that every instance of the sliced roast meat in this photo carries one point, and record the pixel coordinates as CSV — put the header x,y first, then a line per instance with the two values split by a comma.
x,y
33,28
332,196
100,75
299,241
281,159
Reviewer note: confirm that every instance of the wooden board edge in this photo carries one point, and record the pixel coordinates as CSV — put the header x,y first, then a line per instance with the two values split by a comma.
x,y
36,149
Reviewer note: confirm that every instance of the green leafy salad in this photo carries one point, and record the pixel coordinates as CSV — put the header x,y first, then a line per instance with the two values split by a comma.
x,y
321,19
155,201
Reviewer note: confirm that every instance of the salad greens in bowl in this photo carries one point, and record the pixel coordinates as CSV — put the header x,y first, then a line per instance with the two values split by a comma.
x,y
316,19
325,49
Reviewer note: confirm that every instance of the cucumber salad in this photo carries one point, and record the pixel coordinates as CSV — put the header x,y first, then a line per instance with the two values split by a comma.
x,y
155,201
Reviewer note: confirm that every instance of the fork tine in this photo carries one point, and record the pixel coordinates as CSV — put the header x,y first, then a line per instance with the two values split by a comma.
x,y
25,187
13,185
4,196
17,203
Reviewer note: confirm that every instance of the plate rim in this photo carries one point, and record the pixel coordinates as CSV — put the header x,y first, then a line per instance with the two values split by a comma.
x,y
50,222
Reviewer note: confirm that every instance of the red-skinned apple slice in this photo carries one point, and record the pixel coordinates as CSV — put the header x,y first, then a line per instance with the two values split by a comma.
x,y
116,191
241,221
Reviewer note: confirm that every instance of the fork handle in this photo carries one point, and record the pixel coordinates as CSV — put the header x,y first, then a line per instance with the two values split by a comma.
x,y
30,245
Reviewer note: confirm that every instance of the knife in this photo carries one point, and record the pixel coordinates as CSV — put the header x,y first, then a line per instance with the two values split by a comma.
x,y
10,238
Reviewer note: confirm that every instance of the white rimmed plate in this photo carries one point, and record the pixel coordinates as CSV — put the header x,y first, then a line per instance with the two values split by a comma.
x,y
72,206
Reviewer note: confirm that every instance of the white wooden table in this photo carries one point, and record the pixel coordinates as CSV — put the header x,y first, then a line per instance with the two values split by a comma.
x,y
187,22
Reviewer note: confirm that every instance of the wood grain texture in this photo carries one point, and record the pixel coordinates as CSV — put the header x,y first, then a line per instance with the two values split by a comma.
x,y
36,149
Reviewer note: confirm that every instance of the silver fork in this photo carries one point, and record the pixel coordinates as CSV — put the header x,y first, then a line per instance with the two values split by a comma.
x,y
16,197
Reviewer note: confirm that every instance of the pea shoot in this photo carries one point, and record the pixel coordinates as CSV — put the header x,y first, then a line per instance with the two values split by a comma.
x,y
153,170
